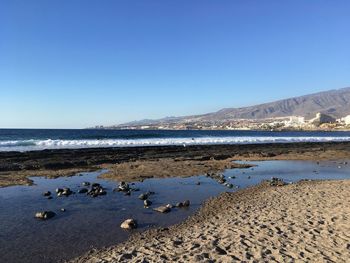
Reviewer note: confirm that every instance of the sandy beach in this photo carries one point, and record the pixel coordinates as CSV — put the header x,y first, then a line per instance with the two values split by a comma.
x,y
303,222
307,221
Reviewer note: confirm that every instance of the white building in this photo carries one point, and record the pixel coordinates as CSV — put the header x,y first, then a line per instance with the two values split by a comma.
x,y
295,121
346,120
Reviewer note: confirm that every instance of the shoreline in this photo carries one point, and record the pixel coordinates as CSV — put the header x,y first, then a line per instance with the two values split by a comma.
x,y
262,223
138,163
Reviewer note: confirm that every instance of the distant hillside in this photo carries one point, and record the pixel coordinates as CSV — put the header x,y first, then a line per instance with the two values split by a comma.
x,y
334,102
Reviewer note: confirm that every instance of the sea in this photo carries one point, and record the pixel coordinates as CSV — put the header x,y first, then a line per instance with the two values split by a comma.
x,y
40,139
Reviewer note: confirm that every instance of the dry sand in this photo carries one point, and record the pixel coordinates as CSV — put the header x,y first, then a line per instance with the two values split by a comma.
x,y
303,222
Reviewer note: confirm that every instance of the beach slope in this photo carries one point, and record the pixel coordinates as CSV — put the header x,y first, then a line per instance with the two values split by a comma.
x,y
304,222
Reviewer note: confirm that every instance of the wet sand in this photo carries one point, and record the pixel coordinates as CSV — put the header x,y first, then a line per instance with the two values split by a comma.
x,y
137,163
304,222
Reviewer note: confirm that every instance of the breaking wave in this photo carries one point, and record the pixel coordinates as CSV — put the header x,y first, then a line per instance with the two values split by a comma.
x,y
32,145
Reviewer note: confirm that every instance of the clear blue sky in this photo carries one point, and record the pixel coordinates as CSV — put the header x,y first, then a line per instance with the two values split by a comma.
x,y
71,63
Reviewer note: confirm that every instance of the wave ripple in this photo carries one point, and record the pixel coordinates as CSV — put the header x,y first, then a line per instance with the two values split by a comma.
x,y
32,145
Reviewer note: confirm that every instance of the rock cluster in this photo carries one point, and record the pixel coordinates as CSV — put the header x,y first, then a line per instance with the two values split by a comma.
x,y
276,182
125,187
220,178
96,190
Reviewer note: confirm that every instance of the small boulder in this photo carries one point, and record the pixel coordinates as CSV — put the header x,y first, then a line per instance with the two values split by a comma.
x,y
85,184
44,215
162,209
143,196
47,193
180,204
59,190
129,224
95,185
147,203
186,203
123,187
66,191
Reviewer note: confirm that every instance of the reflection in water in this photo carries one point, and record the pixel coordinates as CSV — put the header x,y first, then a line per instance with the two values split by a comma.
x,y
95,222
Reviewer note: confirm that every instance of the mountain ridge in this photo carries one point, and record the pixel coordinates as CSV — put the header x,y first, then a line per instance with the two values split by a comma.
x,y
335,102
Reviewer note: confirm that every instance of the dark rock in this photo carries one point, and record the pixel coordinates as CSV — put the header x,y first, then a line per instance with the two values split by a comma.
x,y
95,185
49,197
48,193
147,203
180,204
59,190
66,191
96,190
186,203
123,187
102,192
229,185
143,196
83,190
85,183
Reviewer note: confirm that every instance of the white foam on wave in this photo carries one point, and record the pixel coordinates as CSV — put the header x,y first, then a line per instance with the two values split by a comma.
x,y
32,145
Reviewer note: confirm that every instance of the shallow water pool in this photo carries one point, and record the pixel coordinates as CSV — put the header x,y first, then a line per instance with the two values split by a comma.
x,y
95,222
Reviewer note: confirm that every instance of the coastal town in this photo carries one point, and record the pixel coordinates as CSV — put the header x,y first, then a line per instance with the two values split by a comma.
x,y
321,121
